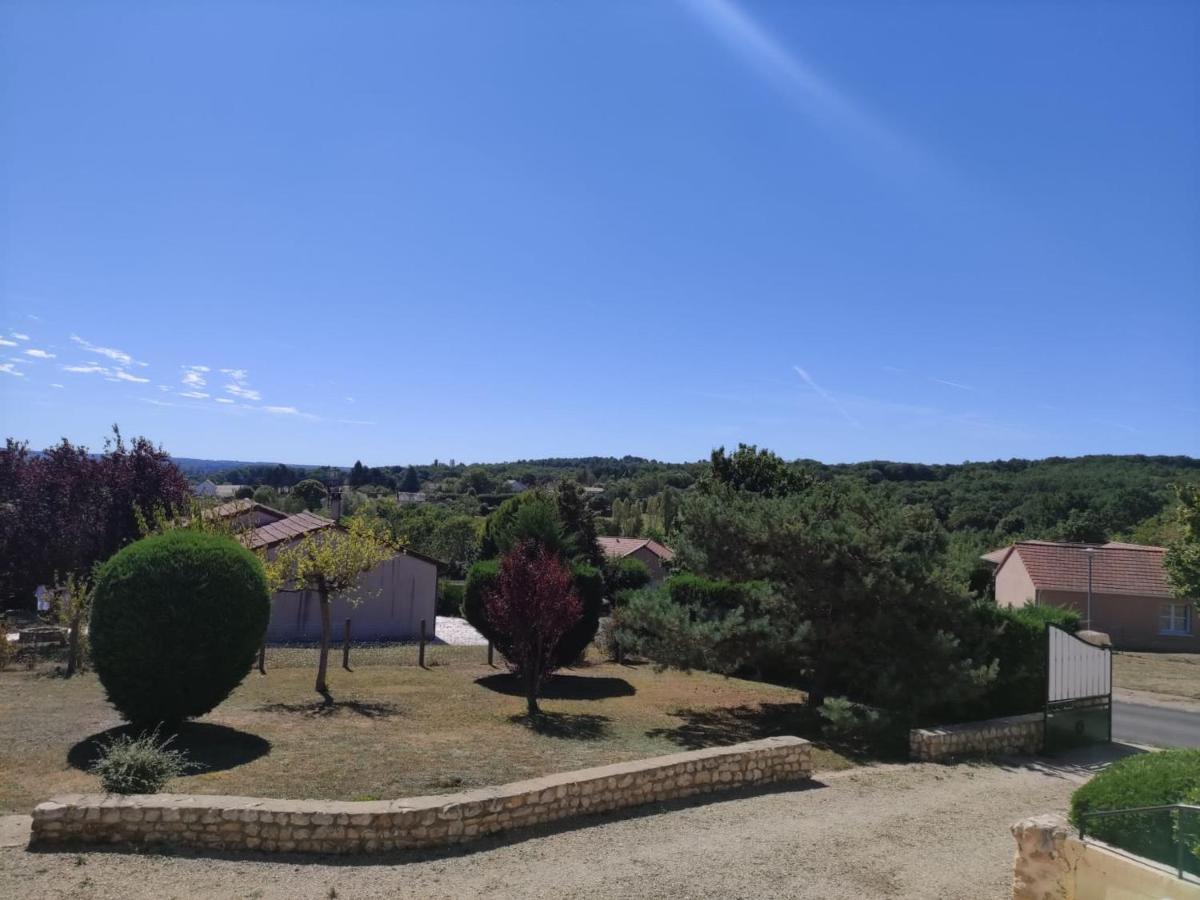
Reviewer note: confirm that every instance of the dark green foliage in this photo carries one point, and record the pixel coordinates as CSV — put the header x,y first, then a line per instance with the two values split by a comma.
x,y
411,483
1016,639
1150,779
176,622
531,515
859,604
578,519
265,495
450,598
754,470
1183,555
719,626
138,765
483,577
245,492
310,492
627,574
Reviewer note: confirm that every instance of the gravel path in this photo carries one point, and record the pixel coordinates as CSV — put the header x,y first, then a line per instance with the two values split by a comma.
x,y
457,632
888,831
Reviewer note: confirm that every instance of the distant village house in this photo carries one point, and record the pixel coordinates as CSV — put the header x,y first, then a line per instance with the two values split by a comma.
x,y
1132,600
655,556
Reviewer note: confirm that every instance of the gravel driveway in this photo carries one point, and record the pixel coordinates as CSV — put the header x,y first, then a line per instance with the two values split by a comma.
x,y
887,831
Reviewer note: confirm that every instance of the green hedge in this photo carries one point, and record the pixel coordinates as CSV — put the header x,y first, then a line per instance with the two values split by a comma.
x,y
1018,643
1149,779
177,620
482,578
450,598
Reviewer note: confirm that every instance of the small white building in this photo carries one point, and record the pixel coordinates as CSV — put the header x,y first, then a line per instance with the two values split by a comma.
x,y
388,604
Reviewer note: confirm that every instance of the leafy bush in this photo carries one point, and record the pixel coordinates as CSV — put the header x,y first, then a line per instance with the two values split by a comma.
x,y
1016,640
177,620
450,598
138,765
483,577
626,574
1150,779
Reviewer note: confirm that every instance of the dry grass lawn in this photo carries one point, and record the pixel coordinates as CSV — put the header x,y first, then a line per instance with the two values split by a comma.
x,y
1177,674
395,729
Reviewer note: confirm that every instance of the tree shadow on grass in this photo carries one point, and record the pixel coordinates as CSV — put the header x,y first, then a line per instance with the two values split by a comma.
x,y
328,708
702,728
571,726
561,687
210,748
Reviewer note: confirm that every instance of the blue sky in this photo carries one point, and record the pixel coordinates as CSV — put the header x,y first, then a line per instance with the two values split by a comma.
x,y
483,231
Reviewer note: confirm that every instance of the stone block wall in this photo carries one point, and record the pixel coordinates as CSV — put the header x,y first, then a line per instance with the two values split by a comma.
x,y
1052,860
1012,734
250,823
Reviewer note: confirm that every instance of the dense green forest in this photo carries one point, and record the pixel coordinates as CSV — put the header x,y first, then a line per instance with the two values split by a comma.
x,y
982,505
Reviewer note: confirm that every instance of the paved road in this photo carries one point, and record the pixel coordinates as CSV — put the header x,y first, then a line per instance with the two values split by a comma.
x,y
1160,726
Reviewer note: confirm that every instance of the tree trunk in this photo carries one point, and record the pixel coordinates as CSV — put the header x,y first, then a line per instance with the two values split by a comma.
x,y
531,693
326,633
73,645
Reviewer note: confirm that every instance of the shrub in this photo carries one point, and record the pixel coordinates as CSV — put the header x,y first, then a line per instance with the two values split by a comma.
x,y
1150,779
482,579
450,598
1016,639
138,765
626,574
6,649
177,620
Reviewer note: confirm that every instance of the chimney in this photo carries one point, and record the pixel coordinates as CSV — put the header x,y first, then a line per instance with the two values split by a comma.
x,y
335,503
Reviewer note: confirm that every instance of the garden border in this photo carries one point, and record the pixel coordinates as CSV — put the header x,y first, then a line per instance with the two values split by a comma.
x,y
337,826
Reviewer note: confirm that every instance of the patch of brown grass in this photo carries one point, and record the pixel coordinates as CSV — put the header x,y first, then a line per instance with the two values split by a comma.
x,y
1175,674
393,730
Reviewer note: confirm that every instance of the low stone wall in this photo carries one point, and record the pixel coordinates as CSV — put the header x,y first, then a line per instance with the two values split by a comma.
x,y
1013,734
1053,861
251,823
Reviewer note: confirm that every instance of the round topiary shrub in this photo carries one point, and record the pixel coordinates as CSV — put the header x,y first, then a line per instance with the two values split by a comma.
x,y
177,620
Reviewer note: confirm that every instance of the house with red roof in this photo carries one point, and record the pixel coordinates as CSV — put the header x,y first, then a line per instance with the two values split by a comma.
x,y
1131,599
655,556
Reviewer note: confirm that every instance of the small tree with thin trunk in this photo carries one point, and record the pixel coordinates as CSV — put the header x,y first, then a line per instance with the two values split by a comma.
x,y
532,607
329,561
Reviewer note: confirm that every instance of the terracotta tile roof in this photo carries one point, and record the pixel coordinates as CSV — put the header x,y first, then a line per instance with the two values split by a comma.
x,y
286,529
619,547
1116,568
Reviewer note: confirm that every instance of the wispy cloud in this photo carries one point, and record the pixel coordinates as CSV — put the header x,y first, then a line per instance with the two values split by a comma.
x,y
194,395
354,422
55,385
826,396
109,373
122,375
117,356
953,384
40,354
5,342
816,95
225,400
87,369
193,376
19,336
11,369
282,410
237,385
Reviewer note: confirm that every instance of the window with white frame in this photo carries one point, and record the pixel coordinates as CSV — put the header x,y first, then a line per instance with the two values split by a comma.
x,y
1175,618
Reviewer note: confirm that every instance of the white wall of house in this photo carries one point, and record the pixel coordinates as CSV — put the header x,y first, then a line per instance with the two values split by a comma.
x,y
392,598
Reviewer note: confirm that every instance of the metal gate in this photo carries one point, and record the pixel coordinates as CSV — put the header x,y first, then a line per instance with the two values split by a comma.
x,y
1078,691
